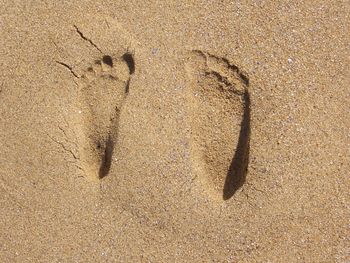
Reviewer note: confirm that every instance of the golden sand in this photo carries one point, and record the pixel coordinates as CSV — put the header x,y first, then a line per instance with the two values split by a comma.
x,y
174,131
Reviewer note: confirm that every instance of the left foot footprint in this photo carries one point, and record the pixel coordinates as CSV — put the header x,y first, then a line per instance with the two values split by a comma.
x,y
104,87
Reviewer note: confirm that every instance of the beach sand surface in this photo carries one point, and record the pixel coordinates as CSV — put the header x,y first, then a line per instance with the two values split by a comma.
x,y
174,131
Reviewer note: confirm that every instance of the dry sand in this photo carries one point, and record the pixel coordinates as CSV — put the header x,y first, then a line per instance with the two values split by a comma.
x,y
168,131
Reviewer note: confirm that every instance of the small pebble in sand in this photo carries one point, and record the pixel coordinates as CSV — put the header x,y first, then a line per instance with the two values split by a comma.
x,y
155,51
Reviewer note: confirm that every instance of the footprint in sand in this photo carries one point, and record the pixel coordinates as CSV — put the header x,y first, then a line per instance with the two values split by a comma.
x,y
220,123
103,89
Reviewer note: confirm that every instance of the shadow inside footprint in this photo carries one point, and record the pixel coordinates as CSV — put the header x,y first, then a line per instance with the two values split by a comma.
x,y
107,60
106,158
129,60
238,169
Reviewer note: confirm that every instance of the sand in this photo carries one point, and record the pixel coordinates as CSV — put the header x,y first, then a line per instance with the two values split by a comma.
x,y
174,131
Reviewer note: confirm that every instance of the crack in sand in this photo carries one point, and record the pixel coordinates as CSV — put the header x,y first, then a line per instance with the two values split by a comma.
x,y
86,39
68,67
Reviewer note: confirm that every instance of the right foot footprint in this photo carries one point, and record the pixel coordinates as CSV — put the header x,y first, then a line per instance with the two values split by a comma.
x,y
104,88
220,109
